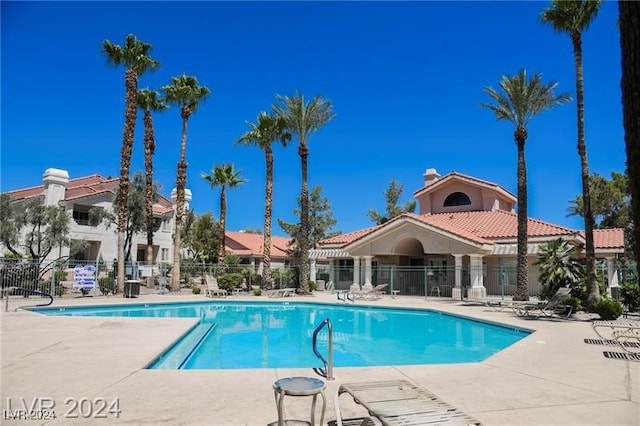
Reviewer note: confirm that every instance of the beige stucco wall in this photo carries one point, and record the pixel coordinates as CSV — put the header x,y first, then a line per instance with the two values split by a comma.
x,y
481,199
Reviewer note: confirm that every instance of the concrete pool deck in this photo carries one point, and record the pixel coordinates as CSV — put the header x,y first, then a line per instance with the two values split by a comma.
x,y
550,377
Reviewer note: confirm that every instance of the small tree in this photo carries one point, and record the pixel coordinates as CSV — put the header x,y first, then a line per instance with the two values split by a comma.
x,y
393,194
559,266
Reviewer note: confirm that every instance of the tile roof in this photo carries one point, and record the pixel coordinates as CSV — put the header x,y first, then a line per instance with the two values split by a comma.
x,y
248,244
88,186
454,175
487,227
608,238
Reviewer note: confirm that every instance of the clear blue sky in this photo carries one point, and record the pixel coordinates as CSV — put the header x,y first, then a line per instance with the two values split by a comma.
x,y
405,79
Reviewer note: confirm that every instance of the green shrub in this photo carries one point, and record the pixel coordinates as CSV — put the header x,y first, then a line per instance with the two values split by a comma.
x,y
574,302
257,292
107,285
630,294
230,281
195,289
313,286
609,309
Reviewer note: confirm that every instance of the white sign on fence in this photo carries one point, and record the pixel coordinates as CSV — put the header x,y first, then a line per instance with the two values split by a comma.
x,y
84,278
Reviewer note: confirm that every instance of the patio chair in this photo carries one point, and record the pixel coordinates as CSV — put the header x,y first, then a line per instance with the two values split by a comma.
x,y
548,308
374,293
282,292
212,289
613,326
399,402
628,339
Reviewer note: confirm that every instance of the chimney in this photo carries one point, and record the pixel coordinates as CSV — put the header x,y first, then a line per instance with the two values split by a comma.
x,y
55,185
187,198
430,176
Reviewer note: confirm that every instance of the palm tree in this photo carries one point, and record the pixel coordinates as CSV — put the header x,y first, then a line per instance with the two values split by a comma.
x,y
223,175
303,118
185,92
149,101
267,130
134,56
629,41
574,17
559,266
520,101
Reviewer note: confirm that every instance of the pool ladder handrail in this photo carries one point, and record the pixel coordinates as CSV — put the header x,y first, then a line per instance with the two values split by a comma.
x,y
25,289
327,371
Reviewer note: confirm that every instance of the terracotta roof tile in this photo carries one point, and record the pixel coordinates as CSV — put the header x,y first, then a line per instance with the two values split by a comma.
x,y
608,238
88,186
244,243
487,227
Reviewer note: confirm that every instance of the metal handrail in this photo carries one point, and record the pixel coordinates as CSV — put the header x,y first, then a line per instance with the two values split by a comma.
x,y
327,371
35,292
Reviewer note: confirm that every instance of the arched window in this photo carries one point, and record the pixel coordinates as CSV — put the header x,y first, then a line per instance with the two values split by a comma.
x,y
457,199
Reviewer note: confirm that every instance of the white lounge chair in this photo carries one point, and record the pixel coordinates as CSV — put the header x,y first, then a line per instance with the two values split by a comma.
x,y
548,308
628,339
212,289
399,402
374,293
282,292
605,329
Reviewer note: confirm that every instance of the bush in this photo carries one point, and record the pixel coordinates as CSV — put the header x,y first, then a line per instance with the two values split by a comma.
x,y
609,309
257,292
107,285
630,294
574,302
313,286
230,281
195,289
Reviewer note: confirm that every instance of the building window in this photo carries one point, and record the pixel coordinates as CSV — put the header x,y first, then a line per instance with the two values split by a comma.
x,y
164,255
345,269
165,225
81,217
457,199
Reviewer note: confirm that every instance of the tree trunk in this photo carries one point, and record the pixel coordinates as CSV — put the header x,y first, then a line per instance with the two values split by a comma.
x,y
522,272
131,111
629,21
592,279
223,218
303,151
266,245
149,149
181,183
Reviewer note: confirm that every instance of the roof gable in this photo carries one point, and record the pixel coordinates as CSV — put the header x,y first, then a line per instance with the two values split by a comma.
x,y
244,243
469,180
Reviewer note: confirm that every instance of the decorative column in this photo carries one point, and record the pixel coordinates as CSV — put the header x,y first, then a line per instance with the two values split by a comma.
x,y
356,271
367,270
456,292
477,290
612,276
312,270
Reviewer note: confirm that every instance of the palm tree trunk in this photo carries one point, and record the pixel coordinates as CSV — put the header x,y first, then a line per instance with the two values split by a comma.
x,y
522,272
303,151
131,112
181,183
630,45
266,245
149,149
223,218
592,280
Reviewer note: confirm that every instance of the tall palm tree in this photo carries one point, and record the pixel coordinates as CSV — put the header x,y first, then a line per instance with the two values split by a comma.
x,y
149,101
303,118
573,17
519,101
223,175
630,45
185,92
134,56
267,130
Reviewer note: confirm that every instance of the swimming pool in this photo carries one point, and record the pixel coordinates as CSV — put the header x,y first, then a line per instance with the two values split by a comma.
x,y
278,335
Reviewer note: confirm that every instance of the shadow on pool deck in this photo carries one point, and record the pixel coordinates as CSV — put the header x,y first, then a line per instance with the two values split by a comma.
x,y
550,377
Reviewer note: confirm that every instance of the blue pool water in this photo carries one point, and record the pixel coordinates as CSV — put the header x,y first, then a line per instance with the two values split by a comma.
x,y
279,335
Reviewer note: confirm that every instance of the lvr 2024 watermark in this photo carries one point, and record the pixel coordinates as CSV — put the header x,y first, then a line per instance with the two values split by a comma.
x,y
47,408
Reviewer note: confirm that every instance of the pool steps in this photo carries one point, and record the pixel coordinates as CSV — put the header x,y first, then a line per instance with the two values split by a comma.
x,y
178,355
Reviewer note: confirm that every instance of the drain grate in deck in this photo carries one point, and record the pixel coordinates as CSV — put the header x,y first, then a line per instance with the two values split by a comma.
x,y
611,343
621,355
